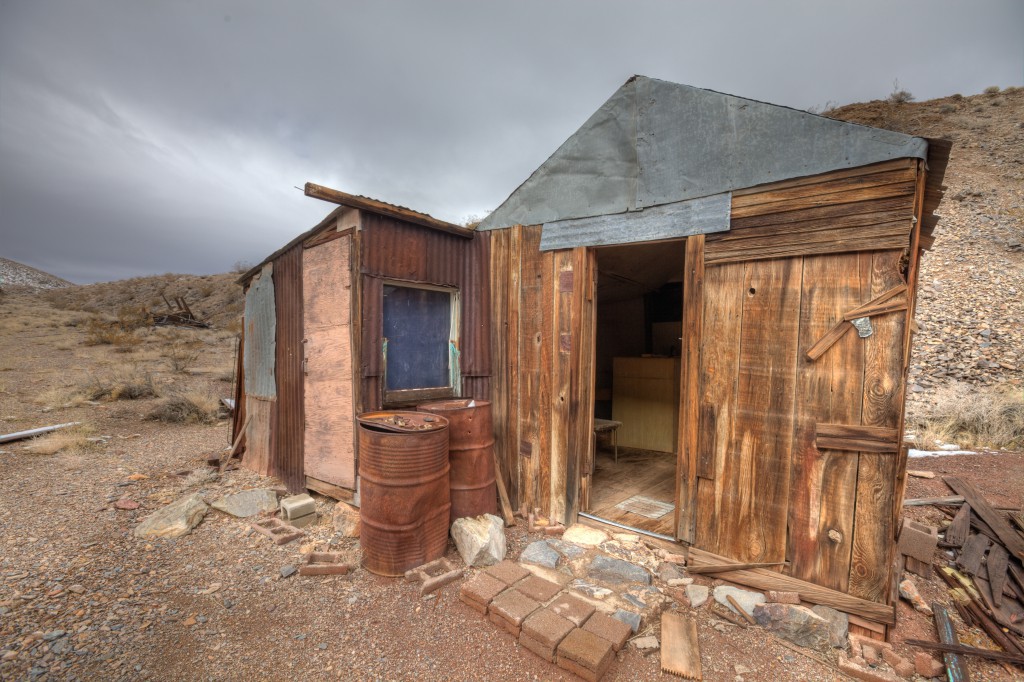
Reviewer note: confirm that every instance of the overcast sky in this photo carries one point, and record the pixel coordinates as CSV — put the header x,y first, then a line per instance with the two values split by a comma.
x,y
145,137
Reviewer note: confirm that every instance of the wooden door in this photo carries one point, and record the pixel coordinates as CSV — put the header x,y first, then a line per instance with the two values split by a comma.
x,y
329,413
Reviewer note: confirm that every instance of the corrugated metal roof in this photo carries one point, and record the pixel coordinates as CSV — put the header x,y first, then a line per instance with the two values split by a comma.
x,y
655,142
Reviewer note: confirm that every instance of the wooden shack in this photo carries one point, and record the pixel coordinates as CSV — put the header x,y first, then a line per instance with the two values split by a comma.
x,y
728,285
376,306
734,283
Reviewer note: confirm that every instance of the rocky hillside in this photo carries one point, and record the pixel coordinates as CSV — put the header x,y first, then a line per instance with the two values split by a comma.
x,y
971,305
14,274
216,299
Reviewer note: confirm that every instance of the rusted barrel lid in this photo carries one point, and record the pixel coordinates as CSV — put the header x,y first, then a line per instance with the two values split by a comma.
x,y
403,422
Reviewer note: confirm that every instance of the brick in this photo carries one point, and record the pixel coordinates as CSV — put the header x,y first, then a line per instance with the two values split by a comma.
x,y
297,506
776,597
902,666
572,608
862,673
926,665
581,672
547,628
544,651
324,563
507,572
609,629
475,605
918,540
870,654
510,608
304,521
434,575
277,530
482,589
585,654
538,589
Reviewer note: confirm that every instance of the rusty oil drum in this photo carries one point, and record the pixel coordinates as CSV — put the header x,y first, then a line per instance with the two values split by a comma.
x,y
403,489
471,453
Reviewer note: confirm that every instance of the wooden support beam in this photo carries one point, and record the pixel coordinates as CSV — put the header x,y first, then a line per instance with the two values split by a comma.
x,y
689,387
365,203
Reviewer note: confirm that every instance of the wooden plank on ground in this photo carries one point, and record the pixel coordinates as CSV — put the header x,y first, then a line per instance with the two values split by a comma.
x,y
874,532
959,527
956,666
997,563
767,579
972,553
689,399
680,650
1011,540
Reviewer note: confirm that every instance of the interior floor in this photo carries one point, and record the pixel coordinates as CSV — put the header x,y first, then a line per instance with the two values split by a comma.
x,y
643,473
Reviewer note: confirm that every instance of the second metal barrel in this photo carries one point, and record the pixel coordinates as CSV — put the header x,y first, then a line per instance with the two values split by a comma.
x,y
403,488
471,451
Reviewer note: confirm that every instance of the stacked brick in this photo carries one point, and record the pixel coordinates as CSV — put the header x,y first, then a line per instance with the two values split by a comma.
x,y
553,624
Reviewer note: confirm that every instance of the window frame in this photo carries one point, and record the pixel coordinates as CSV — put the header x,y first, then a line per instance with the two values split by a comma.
x,y
409,396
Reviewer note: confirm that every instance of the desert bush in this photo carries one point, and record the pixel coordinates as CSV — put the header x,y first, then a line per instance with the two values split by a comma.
x,y
947,109
992,90
100,332
187,407
181,356
899,95
241,267
122,383
973,417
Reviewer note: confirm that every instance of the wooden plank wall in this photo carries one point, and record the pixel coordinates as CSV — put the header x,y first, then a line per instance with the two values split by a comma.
x,y
799,256
543,352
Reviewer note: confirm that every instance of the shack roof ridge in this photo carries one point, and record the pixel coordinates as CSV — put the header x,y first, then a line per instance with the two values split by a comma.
x,y
656,142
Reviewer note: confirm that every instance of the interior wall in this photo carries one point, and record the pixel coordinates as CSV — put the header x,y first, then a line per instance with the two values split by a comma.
x,y
620,333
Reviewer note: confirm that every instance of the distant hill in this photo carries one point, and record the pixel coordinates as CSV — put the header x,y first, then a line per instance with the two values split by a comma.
x,y
15,274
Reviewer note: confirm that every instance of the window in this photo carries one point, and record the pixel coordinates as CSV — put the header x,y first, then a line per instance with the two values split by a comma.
x,y
421,325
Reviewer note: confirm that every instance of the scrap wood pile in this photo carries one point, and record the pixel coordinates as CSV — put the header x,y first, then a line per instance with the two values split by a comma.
x,y
985,575
179,315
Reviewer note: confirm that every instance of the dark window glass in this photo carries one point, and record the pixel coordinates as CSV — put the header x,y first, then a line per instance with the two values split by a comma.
x,y
417,326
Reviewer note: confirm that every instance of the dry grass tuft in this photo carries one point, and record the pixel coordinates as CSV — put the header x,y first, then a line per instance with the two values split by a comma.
x,y
187,407
127,382
182,355
74,440
973,417
61,397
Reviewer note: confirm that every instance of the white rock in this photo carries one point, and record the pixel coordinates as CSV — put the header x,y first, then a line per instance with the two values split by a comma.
x,y
584,535
176,519
480,539
346,520
745,598
247,502
697,594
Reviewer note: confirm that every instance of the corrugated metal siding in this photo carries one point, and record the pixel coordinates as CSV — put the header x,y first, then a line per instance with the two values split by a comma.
x,y
287,435
392,249
260,333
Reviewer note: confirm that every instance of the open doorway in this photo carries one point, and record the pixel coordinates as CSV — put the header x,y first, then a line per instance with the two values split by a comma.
x,y
636,385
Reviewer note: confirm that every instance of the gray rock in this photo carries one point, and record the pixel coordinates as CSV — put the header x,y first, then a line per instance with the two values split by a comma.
x,y
634,601
745,598
287,571
539,553
55,634
480,540
589,589
247,502
629,618
611,570
798,624
697,594
838,624
176,519
566,549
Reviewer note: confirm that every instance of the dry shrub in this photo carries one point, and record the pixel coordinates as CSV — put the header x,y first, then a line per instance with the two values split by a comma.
x,y
973,417
181,356
101,332
123,383
61,397
187,407
71,440
992,90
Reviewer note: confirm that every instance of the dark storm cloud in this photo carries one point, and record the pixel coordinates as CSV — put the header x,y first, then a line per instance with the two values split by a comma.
x,y
138,138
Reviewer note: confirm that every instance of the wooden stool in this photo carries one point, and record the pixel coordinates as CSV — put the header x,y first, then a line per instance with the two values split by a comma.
x,y
605,426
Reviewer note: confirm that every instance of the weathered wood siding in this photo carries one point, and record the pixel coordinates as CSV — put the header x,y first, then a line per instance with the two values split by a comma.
x,y
330,418
543,349
286,459
799,256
